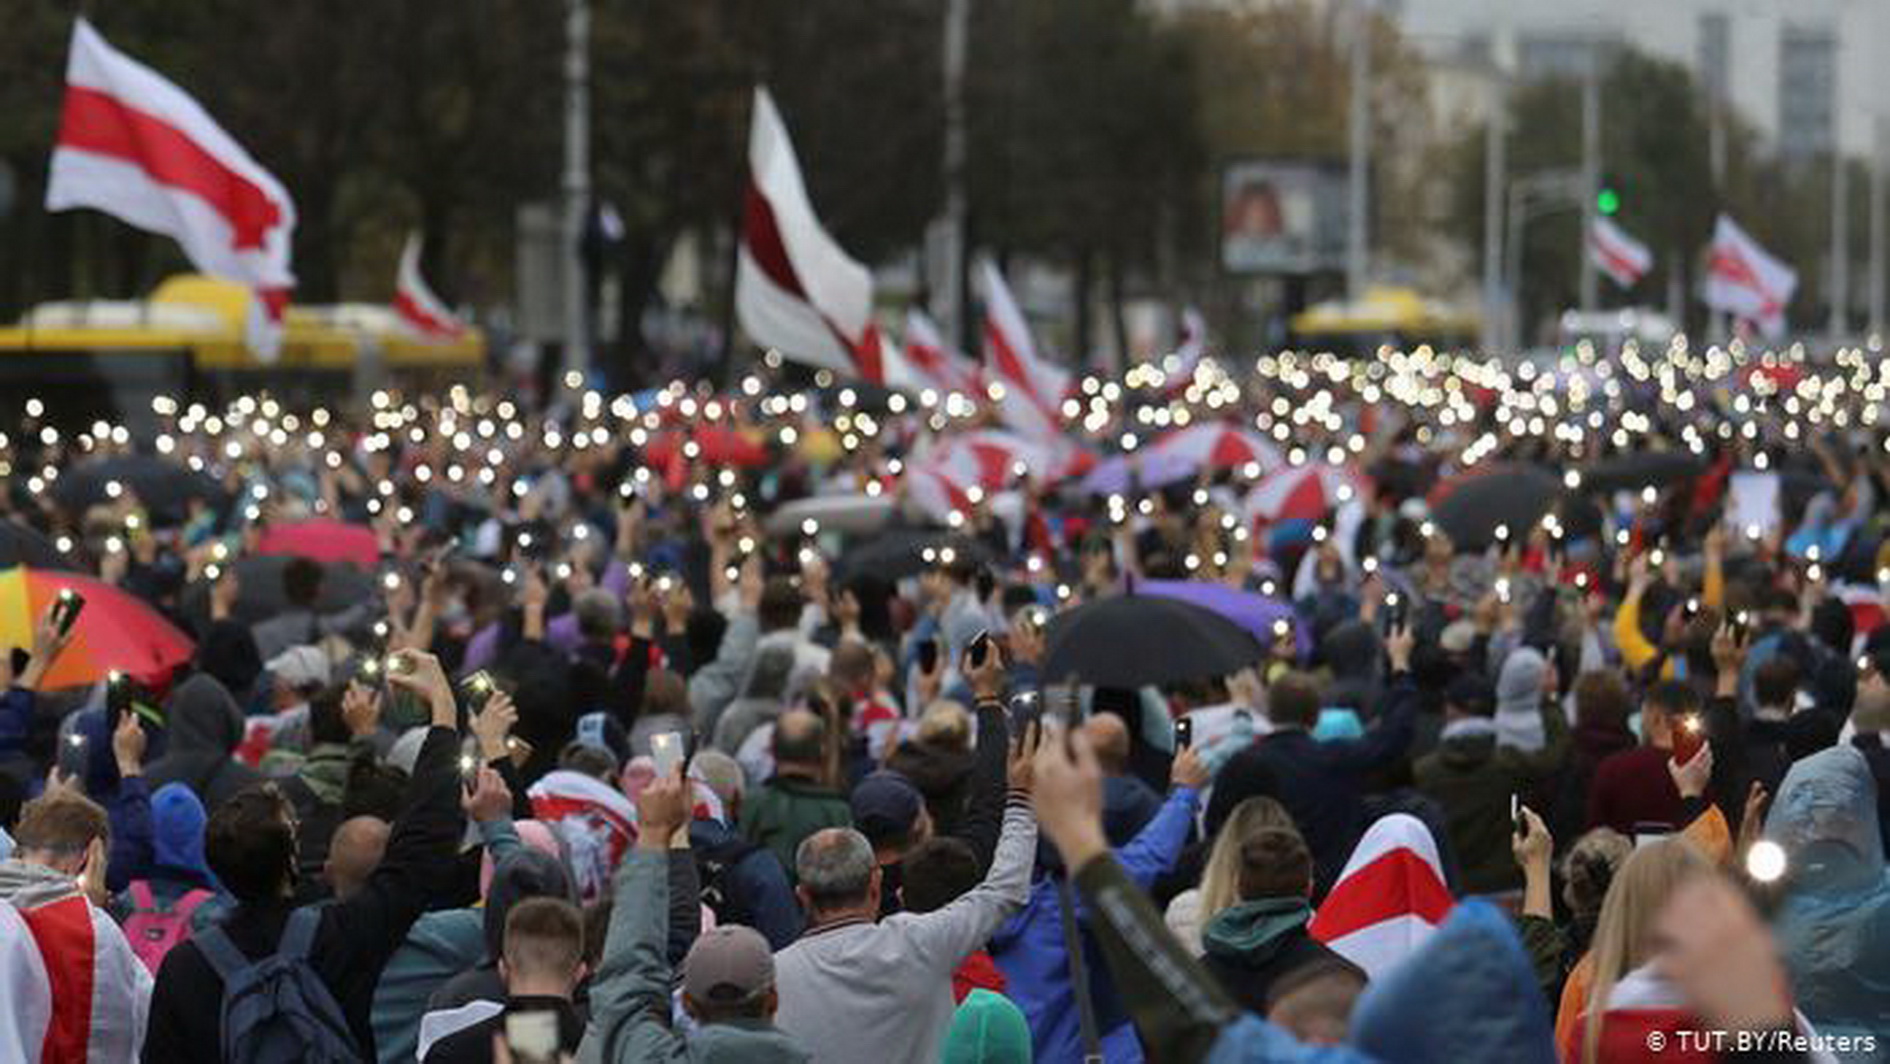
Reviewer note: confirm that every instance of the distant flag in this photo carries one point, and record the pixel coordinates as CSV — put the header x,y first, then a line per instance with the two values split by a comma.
x,y
134,145
1624,259
1033,388
795,289
1390,898
1744,280
926,361
420,310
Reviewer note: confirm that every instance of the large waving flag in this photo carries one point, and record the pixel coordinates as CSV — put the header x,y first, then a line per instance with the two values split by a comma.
x,y
1033,388
422,312
1390,898
134,145
1624,259
795,289
596,823
1744,280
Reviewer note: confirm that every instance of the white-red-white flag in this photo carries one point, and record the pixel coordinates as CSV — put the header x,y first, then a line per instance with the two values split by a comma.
x,y
795,289
134,145
1033,389
1390,898
927,361
1624,259
71,988
1744,280
422,312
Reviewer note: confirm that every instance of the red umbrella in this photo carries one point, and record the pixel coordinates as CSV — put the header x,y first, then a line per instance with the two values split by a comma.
x,y
323,540
115,631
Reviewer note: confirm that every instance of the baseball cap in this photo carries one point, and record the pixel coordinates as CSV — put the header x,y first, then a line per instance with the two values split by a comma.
x,y
727,965
885,804
301,667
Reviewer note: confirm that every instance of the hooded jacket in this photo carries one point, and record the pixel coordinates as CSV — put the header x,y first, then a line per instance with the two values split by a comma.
x,y
987,1029
1833,926
205,727
1251,945
1473,774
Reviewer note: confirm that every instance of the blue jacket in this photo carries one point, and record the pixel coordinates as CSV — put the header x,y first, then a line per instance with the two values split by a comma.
x,y
1462,999
1029,948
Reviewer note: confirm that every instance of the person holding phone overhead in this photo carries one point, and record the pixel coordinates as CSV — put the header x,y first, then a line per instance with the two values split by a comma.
x,y
20,679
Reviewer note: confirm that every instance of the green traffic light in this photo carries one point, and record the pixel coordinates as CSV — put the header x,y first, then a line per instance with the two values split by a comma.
x,y
1608,201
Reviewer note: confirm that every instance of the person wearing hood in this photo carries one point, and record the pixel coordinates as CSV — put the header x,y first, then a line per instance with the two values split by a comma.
x,y
1474,776
178,879
1252,944
1833,923
204,728
988,1028
728,975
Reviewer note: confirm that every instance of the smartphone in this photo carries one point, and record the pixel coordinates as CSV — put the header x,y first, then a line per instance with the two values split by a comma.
x,y
979,649
1025,707
1184,733
67,609
1062,706
531,1036
1516,822
478,687
1742,625
1395,612
1689,734
666,749
928,655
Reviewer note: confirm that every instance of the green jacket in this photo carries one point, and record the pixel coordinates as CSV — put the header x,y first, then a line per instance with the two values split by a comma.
x,y
786,810
1472,778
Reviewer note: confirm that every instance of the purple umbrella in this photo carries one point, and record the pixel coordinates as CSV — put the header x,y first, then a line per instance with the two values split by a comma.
x,y
1255,613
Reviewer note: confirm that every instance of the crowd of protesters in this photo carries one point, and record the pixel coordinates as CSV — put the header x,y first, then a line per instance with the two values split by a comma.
x,y
590,759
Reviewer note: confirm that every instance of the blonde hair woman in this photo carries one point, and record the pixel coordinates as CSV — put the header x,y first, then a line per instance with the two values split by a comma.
x,y
1190,910
1624,939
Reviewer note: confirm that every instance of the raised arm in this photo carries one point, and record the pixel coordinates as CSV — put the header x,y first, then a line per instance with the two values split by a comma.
x,y
630,995
984,804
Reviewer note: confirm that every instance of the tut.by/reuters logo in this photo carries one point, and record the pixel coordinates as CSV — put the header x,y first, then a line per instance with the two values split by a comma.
x,y
1760,1042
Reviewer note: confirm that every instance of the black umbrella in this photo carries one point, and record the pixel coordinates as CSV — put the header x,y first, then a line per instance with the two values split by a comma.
x,y
1470,506
165,487
20,545
260,595
1642,469
1131,640
901,552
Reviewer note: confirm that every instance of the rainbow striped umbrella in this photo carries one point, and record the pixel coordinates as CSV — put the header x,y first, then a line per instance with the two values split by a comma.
x,y
116,631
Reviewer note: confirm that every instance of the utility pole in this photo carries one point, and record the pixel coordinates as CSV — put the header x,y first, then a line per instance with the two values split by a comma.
x,y
1591,172
577,180
1840,242
948,295
1495,166
1877,278
1356,252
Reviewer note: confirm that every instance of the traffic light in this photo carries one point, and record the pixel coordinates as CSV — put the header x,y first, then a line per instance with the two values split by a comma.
x,y
1608,197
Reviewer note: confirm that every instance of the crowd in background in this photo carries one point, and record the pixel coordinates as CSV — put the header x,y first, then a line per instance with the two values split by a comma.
x,y
566,746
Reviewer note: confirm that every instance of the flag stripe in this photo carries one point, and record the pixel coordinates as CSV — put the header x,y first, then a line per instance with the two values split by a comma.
x,y
96,122
63,930
1397,883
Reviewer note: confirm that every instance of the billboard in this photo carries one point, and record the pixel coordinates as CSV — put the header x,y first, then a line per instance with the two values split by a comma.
x,y
1282,217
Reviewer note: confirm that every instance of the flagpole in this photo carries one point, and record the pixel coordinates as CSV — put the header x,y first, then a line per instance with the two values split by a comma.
x,y
1496,134
1591,172
1876,279
1840,242
577,179
1356,252
948,298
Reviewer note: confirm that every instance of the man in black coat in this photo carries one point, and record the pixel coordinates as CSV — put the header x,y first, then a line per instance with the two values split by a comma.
x,y
1320,783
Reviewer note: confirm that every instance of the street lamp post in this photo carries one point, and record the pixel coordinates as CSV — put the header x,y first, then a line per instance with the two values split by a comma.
x,y
577,180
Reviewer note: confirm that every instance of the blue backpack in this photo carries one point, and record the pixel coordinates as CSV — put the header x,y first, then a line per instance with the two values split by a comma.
x,y
277,1008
